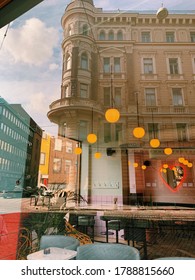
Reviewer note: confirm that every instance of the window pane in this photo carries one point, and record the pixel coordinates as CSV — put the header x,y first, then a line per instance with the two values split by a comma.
x,y
117,66
102,35
84,61
107,101
106,64
192,36
150,97
118,130
82,130
107,132
181,131
170,37
173,65
148,65
119,35
42,158
117,96
177,97
145,37
111,35
83,90
153,130
56,165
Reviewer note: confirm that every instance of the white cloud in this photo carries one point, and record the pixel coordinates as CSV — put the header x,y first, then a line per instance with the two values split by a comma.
x,y
31,43
53,66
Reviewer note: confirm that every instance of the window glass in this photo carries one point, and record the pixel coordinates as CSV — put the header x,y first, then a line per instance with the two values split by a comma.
x,y
107,132
83,91
84,61
117,65
107,101
119,35
117,96
145,37
111,35
56,165
177,97
150,97
192,37
170,37
148,65
102,35
173,66
106,65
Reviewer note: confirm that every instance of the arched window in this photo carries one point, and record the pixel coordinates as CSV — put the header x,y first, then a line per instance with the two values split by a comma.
x,y
68,62
111,35
85,29
102,35
84,61
119,35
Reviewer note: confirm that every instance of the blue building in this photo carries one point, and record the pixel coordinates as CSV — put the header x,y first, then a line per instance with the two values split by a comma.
x,y
20,140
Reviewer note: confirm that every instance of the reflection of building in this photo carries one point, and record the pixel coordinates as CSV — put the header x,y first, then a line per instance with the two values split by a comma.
x,y
153,61
20,140
62,164
44,159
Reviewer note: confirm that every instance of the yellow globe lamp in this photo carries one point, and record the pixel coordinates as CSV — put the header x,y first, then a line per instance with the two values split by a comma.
x,y
138,132
164,170
189,164
97,155
143,167
91,138
185,162
165,165
168,151
154,143
135,164
112,115
78,151
181,159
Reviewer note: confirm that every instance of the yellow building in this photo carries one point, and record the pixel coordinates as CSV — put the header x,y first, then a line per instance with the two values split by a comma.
x,y
44,159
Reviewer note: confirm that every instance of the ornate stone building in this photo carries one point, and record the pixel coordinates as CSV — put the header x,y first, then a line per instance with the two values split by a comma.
x,y
144,67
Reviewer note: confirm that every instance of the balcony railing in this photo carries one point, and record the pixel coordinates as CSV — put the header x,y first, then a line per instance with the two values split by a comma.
x,y
168,109
76,102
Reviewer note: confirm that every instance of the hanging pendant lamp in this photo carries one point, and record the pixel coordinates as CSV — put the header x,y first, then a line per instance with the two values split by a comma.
x,y
91,137
154,142
138,132
112,114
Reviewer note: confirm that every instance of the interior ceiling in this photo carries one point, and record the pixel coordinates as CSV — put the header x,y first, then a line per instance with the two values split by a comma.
x,y
12,9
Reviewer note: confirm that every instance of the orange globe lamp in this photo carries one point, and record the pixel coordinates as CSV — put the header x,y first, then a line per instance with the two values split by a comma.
x,y
78,151
112,115
154,143
143,167
168,151
97,155
91,138
138,132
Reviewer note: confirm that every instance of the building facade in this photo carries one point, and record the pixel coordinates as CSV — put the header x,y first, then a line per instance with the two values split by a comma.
x,y
144,67
20,141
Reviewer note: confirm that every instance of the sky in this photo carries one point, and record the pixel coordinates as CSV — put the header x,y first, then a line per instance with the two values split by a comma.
x,y
31,54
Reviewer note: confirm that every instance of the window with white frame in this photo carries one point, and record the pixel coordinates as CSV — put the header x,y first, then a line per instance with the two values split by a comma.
x,y
170,37
192,37
150,97
106,61
68,147
145,37
57,162
177,97
173,66
58,144
148,65
84,61
84,90
42,158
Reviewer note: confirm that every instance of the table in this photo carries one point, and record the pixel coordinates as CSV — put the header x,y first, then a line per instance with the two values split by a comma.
x,y
55,254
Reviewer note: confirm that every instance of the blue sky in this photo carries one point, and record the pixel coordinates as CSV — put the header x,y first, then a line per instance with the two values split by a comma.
x,y
31,56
